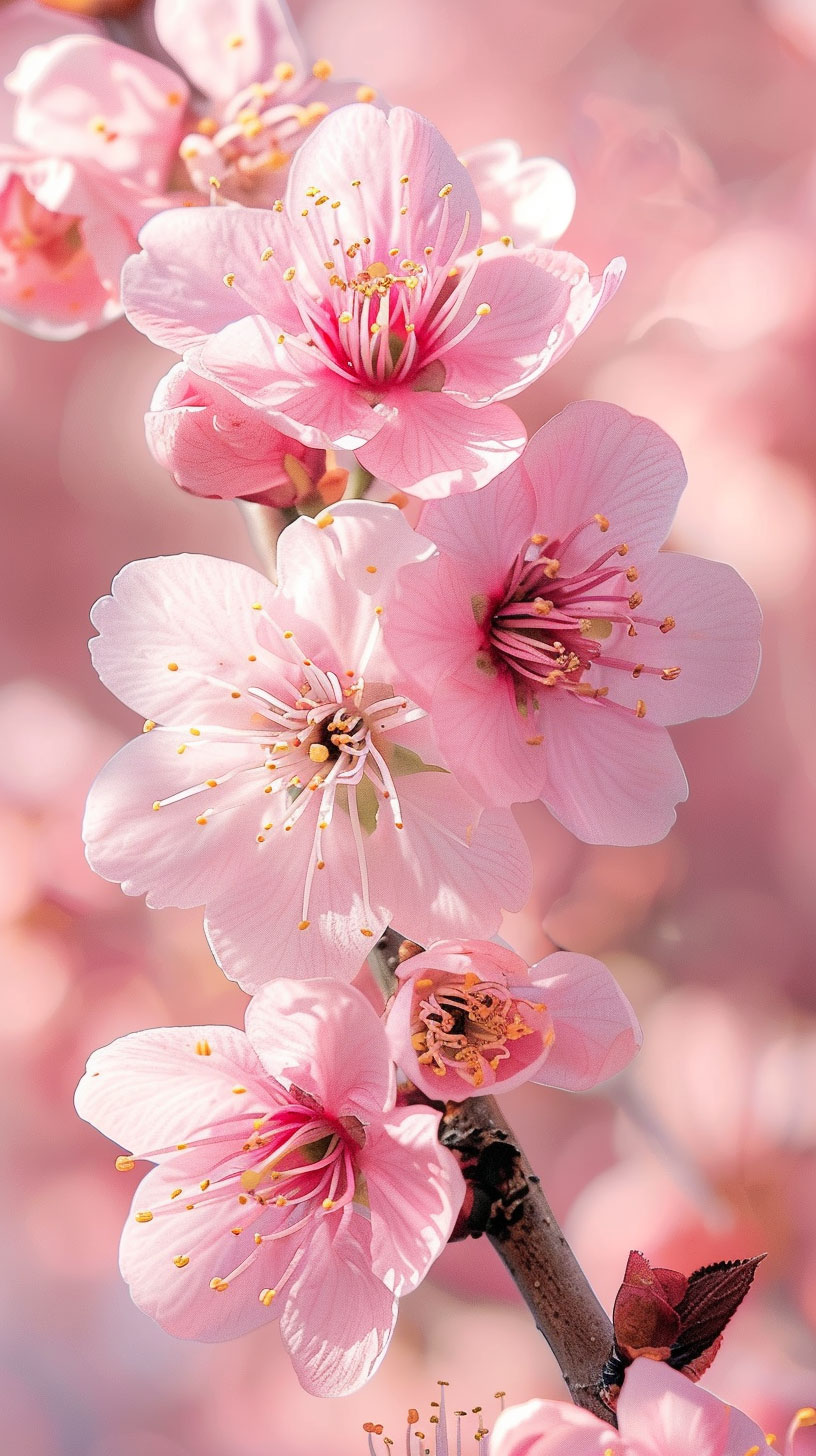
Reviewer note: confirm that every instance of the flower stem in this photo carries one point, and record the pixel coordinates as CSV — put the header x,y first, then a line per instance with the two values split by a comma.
x,y
521,1226
264,525
358,482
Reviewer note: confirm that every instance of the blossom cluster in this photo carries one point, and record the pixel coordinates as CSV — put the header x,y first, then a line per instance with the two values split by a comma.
x,y
461,621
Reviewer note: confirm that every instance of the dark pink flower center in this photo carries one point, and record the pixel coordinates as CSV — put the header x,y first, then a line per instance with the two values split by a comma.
x,y
273,1171
465,1025
552,622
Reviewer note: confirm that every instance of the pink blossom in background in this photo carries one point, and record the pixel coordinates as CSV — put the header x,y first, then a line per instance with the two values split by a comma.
x,y
287,777
523,200
525,634
349,317
214,445
470,1016
94,132
263,97
321,1204
660,1413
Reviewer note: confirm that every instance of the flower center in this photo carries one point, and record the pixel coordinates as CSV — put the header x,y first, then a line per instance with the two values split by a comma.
x,y
30,228
555,622
465,1024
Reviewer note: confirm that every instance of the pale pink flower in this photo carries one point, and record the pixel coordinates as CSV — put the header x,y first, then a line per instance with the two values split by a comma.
x,y
286,1184
471,1017
358,313
262,96
660,1413
95,129
533,634
289,786
523,200
214,445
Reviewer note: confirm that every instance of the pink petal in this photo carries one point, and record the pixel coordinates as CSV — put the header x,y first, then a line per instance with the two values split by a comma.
x,y
27,24
297,389
165,854
216,446
550,1428
415,1191
92,101
596,1031
511,346
612,778
486,529
453,868
429,626
498,754
661,1410
180,1299
153,1089
532,200
339,1316
174,290
597,458
348,562
430,443
363,142
589,293
196,612
715,643
327,1039
225,45
269,880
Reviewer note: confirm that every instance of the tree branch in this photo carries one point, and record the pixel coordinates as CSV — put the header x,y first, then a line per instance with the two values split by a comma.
x,y
509,1206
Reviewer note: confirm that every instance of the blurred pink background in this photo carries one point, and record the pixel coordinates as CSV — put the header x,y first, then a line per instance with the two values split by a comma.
x,y
690,130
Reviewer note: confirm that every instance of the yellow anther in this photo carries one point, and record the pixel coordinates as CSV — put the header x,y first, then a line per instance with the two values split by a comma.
x,y
304,924
219,1284
323,521
552,569
238,1090
371,569
344,318
214,182
266,1296
212,783
204,1185
172,667
284,71
366,93
536,740
668,624
280,1201
364,930
640,710
144,1217
356,182
207,126
124,1164
181,749
539,539
507,240
234,42
203,1049
180,1147
236,1231
289,274
156,804
635,600
148,725
176,1193
97,123
483,310
602,521
669,674
318,753
181,1261
446,190
322,70
328,1204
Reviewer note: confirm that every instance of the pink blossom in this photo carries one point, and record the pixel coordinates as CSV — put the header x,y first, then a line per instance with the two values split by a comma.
x,y
95,128
470,1016
358,313
263,97
522,201
660,1413
532,634
214,445
286,1183
289,786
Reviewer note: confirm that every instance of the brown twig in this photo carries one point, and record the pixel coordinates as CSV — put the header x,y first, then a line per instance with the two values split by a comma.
x,y
509,1206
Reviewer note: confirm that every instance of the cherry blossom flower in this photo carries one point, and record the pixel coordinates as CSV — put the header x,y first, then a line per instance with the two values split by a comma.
x,y
289,785
470,1016
522,201
660,1413
214,445
358,313
263,97
95,129
532,633
286,1184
